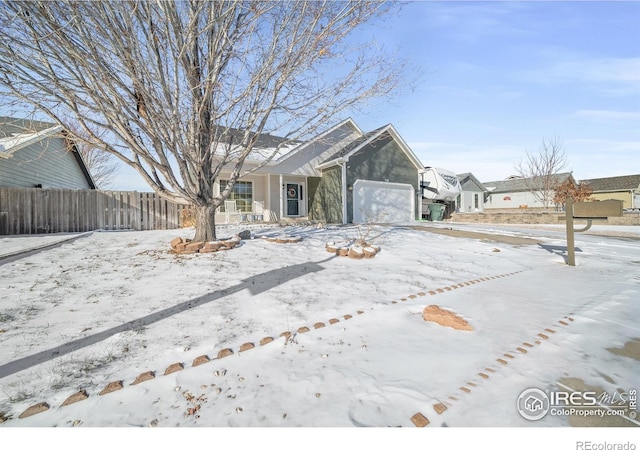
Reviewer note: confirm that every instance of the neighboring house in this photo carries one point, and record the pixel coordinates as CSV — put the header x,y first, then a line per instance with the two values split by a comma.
x,y
625,188
471,199
516,192
40,154
341,176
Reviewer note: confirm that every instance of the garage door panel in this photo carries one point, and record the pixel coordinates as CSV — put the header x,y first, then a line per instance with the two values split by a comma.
x,y
377,201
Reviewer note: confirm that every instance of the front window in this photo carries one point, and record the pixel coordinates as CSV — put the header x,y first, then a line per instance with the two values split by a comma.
x,y
242,193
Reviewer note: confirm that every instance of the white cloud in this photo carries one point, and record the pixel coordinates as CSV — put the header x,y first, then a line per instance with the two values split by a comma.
x,y
614,76
607,115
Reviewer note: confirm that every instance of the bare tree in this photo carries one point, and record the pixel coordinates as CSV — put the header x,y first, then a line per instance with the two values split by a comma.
x,y
102,165
540,170
173,82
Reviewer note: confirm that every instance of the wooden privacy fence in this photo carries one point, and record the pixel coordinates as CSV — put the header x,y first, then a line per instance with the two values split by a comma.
x,y
34,211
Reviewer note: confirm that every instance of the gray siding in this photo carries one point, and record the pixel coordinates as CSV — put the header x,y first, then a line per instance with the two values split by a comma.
x,y
47,163
381,160
325,200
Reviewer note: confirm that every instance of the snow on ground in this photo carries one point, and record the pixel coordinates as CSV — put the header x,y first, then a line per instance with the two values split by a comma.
x,y
110,306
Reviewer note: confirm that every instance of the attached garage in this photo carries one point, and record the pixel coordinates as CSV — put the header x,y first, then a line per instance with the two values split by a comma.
x,y
374,178
382,202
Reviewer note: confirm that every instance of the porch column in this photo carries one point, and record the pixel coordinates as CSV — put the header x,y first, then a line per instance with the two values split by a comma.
x,y
281,197
267,202
343,164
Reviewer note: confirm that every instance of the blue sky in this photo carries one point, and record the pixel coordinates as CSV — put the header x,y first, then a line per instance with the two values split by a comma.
x,y
499,77
496,78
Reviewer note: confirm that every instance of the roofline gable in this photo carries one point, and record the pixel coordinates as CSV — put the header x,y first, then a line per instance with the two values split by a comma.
x,y
463,176
303,145
375,135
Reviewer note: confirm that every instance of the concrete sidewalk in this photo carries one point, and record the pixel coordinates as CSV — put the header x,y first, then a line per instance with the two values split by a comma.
x,y
14,248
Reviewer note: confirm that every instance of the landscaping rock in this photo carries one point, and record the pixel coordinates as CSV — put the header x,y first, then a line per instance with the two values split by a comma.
x,y
176,241
245,234
356,252
78,396
231,243
434,313
174,368
35,409
439,408
194,246
419,420
111,387
224,353
213,245
331,248
247,346
266,340
144,376
202,359
181,246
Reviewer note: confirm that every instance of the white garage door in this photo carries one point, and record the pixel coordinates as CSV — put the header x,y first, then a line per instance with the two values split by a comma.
x,y
377,201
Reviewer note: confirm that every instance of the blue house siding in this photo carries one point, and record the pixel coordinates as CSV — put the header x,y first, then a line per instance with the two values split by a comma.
x,y
47,163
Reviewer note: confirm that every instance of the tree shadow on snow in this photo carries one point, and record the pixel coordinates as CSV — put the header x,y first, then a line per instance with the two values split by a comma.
x,y
255,284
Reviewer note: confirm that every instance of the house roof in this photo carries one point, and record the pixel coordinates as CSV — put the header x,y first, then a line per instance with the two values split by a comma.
x,y
19,133
523,184
306,156
370,138
621,183
468,177
16,134
266,145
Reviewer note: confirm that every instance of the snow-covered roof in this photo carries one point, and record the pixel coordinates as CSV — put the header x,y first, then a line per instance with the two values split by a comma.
x,y
16,134
266,146
306,157
12,142
523,184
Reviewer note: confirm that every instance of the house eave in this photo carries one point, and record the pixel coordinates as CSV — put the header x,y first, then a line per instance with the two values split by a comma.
x,y
33,138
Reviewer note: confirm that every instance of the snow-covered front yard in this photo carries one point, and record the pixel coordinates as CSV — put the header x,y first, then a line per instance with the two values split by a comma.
x,y
110,306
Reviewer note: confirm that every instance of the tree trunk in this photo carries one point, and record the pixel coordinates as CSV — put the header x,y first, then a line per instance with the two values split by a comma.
x,y
205,224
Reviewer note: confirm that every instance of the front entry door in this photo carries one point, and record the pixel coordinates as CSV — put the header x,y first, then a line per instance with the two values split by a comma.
x,y
294,199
